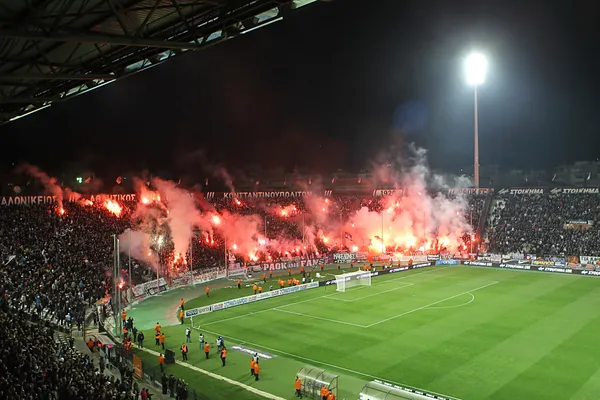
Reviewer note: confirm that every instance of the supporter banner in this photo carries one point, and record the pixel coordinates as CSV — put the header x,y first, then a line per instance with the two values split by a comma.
x,y
469,190
263,195
575,191
513,256
389,192
137,367
383,272
150,287
578,224
248,299
34,200
236,270
283,265
589,259
495,258
522,191
542,262
415,259
344,257
433,257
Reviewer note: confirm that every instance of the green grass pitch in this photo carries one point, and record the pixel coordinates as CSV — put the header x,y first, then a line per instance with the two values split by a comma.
x,y
465,332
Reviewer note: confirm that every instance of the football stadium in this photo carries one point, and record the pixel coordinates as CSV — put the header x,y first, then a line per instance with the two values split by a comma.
x,y
287,213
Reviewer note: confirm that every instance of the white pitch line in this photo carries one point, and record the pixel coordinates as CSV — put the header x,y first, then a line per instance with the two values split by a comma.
x,y
312,299
456,306
254,390
319,318
262,311
371,295
429,305
317,362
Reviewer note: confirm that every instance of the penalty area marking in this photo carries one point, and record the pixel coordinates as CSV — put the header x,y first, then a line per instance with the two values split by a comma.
x,y
432,304
279,308
371,295
317,362
319,318
455,306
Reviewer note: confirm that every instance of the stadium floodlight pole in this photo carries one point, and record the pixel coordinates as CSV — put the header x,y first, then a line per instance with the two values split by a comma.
x,y
119,278
382,242
341,229
476,67
191,253
129,251
160,242
225,256
114,299
303,229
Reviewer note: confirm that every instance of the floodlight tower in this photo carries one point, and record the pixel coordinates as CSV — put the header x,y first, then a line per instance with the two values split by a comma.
x,y
476,67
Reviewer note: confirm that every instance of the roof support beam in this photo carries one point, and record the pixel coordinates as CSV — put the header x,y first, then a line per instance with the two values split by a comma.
x,y
99,39
28,100
54,77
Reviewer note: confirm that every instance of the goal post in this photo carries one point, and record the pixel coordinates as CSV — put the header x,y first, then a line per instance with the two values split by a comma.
x,y
352,279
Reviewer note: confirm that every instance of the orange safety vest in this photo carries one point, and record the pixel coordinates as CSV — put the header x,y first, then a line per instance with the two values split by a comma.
x,y
184,348
223,353
161,360
206,348
297,384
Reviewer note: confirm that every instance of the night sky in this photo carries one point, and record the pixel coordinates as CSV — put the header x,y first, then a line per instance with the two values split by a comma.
x,y
330,87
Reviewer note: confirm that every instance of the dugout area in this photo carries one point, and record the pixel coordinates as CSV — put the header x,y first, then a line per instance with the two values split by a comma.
x,y
376,390
313,379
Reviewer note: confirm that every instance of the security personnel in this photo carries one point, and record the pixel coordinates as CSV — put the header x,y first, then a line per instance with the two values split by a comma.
x,y
161,362
184,351
252,366
182,304
298,387
256,371
223,355
162,340
239,283
255,288
181,314
157,339
206,349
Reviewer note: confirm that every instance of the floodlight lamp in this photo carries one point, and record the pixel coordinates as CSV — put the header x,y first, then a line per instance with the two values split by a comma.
x,y
476,66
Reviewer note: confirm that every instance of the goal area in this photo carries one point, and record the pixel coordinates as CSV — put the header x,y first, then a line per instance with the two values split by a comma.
x,y
352,279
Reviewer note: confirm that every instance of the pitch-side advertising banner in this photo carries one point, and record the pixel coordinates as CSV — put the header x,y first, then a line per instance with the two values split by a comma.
x,y
248,299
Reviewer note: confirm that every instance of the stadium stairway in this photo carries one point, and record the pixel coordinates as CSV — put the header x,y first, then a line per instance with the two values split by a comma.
x,y
80,345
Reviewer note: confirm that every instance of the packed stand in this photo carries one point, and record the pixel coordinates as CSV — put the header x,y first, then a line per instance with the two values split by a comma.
x,y
539,224
34,365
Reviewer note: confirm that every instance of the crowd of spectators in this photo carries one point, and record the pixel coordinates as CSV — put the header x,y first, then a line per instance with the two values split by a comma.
x,y
35,365
56,263
542,224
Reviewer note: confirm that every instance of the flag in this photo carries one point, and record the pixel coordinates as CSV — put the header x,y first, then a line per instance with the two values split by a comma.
x,y
348,236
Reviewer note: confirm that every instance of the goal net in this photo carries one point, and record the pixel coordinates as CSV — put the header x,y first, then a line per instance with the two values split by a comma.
x,y
352,279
